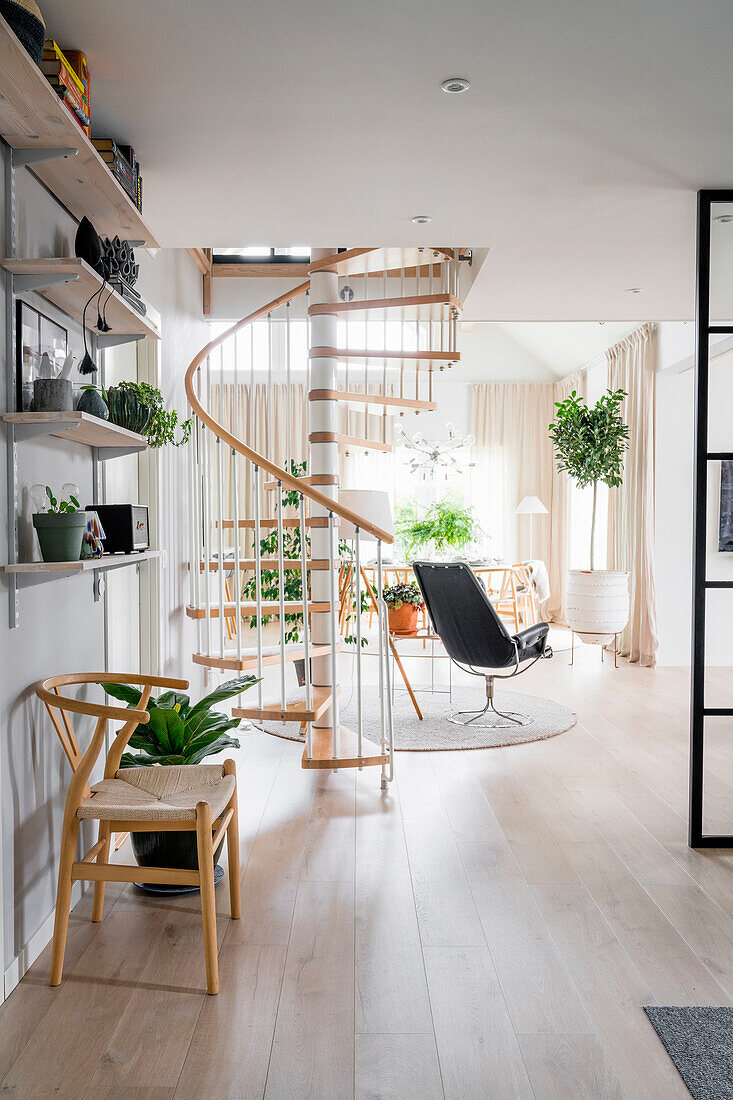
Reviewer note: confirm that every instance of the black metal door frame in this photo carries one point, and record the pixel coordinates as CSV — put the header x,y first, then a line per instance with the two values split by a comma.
x,y
700,583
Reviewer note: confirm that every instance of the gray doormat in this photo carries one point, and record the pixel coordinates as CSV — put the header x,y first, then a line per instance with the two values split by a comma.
x,y
700,1043
435,733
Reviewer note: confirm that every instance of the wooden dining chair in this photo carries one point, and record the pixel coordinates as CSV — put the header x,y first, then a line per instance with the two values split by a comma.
x,y
200,798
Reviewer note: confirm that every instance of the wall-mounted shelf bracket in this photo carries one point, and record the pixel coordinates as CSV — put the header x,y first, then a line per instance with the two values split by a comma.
x,y
25,283
25,158
33,431
105,453
114,339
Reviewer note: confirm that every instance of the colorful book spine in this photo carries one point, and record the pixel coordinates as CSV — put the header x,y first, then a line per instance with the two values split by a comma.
x,y
53,54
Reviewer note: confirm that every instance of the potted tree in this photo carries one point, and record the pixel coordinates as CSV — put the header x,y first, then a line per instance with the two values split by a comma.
x,y
590,444
178,733
403,602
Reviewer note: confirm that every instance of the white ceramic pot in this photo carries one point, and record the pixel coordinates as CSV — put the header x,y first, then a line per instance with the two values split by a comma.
x,y
597,603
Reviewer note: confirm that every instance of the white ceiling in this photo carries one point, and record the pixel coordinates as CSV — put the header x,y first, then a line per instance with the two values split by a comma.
x,y
575,155
565,346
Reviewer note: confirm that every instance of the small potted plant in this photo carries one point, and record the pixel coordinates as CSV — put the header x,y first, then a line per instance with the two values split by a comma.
x,y
138,407
177,733
60,524
403,603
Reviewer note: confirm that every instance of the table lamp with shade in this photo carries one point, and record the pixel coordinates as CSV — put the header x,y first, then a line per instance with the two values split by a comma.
x,y
531,506
373,505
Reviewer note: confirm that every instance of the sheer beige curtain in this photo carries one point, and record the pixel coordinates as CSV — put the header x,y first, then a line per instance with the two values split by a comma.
x,y
259,415
559,505
632,366
513,458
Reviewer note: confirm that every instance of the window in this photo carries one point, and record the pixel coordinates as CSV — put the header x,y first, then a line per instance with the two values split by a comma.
x,y
261,254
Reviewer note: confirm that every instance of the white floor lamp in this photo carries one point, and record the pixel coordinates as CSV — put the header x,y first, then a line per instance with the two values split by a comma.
x,y
531,506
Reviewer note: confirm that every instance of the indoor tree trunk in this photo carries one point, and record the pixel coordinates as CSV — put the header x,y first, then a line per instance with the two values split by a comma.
x,y
593,526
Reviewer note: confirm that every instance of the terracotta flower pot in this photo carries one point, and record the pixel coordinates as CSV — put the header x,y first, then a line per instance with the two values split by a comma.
x,y
403,620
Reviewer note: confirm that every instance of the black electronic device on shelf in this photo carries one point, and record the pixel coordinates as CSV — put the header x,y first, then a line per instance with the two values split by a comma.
x,y
125,526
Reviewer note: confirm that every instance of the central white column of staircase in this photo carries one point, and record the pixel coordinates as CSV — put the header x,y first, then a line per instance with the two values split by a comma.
x,y
234,586
323,449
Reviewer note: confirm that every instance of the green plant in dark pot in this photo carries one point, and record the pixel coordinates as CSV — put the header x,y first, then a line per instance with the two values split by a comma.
x,y
178,732
138,407
61,526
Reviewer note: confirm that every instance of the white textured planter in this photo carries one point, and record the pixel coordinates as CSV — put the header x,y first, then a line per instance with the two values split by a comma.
x,y
597,603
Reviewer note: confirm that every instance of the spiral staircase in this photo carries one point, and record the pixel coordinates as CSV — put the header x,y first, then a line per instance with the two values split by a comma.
x,y
405,300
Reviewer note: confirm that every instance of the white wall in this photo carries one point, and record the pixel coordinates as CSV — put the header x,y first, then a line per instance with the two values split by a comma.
x,y
674,501
61,627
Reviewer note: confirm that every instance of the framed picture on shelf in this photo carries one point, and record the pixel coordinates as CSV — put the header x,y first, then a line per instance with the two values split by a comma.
x,y
35,333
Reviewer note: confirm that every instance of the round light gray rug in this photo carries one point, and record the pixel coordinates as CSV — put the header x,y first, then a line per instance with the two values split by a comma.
x,y
435,733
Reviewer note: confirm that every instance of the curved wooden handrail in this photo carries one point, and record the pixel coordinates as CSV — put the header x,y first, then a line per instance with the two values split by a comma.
x,y
290,482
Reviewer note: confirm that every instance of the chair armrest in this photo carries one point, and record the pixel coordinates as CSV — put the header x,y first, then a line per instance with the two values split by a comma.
x,y
531,635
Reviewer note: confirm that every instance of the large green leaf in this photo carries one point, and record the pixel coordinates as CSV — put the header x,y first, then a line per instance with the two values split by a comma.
x,y
205,720
224,691
173,698
167,729
127,694
143,759
223,741
212,731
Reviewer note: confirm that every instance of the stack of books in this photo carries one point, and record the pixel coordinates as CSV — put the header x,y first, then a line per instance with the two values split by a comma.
x,y
68,75
123,165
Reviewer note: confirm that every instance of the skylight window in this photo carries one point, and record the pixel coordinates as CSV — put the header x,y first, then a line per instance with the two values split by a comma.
x,y
261,254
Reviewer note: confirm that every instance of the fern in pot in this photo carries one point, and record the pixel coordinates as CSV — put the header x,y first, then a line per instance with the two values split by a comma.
x,y
178,732
590,443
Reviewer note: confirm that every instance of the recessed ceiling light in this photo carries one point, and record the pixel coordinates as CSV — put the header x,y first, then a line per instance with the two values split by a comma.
x,y
635,290
422,219
455,84
723,219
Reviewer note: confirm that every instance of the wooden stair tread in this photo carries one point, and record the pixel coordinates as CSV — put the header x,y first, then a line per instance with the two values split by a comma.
x,y
419,307
348,397
349,441
346,751
295,708
248,660
271,522
309,479
369,353
358,261
227,565
249,609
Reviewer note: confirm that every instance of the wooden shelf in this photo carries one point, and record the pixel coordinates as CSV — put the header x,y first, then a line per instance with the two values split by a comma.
x,y
71,297
78,427
32,117
112,561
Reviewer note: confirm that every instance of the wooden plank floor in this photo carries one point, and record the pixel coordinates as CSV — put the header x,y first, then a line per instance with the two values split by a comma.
x,y
490,927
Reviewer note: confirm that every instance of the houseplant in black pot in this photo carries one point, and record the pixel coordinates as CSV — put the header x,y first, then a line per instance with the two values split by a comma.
x,y
178,732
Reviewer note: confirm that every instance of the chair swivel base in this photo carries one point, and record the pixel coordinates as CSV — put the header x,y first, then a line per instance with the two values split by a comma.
x,y
506,719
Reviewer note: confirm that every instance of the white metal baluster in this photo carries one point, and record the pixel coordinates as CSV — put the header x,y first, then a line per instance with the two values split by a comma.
x,y
402,335
219,503
252,402
346,367
258,583
357,541
380,631
307,372
384,368
306,624
193,546
281,587
366,358
288,440
237,554
268,425
207,513
388,773
333,574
